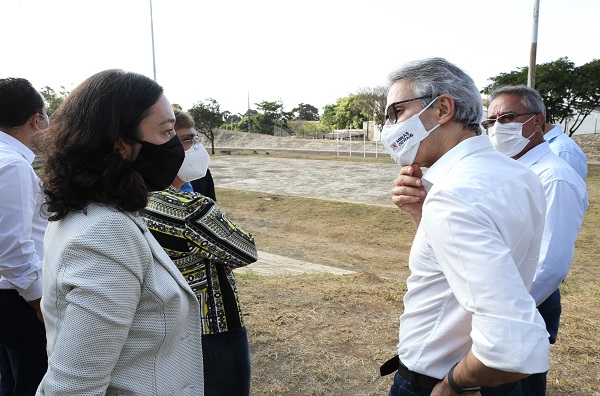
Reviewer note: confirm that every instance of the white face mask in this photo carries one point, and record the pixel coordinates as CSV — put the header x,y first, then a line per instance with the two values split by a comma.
x,y
508,138
194,164
402,139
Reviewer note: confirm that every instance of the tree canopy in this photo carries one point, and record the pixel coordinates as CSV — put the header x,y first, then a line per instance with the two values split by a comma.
x,y
368,104
373,101
347,113
569,92
208,118
306,112
53,99
269,118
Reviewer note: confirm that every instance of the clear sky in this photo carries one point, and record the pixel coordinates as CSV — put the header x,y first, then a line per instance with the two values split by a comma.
x,y
310,51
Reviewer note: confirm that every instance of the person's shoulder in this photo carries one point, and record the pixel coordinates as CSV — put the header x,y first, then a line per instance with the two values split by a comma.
x,y
551,168
177,204
97,227
14,162
565,144
99,216
181,198
491,167
479,175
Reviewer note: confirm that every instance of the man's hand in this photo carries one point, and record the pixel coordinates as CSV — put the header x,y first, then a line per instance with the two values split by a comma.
x,y
443,388
35,304
408,192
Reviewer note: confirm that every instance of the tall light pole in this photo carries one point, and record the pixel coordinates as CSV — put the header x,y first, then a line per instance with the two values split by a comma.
x,y
248,113
533,51
152,32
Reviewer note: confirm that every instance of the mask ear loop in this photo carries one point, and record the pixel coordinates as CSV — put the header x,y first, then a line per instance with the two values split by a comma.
x,y
430,103
532,133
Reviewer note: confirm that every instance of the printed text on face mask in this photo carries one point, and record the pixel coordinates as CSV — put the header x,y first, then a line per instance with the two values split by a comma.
x,y
401,140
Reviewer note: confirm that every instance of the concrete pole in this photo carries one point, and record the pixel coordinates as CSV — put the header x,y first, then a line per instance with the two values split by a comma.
x,y
533,51
152,32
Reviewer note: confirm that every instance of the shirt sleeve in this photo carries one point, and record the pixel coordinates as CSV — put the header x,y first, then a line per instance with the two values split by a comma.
x,y
565,207
507,331
578,163
98,291
208,228
20,265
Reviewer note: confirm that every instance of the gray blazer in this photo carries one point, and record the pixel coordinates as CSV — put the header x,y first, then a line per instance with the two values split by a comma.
x,y
120,318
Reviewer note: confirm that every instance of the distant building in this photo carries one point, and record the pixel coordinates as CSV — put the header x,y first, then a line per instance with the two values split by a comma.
x,y
344,134
369,132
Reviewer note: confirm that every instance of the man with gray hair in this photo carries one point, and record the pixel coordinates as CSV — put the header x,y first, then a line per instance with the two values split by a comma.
x,y
517,117
469,322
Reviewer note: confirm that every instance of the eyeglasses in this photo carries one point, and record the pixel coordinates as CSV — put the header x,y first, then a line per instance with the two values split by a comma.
x,y
45,117
390,112
190,140
503,119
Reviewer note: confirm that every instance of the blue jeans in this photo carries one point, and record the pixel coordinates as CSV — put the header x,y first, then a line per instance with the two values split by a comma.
x,y
23,359
402,387
550,309
226,359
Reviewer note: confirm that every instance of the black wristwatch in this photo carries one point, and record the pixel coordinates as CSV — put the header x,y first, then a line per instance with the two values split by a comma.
x,y
457,388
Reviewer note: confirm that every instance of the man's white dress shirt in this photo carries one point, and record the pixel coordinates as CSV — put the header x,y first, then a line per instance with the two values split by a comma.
x,y
472,263
22,226
566,148
566,202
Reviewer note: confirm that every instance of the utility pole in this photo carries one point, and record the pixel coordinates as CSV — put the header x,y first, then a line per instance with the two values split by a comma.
x,y
248,111
533,51
152,32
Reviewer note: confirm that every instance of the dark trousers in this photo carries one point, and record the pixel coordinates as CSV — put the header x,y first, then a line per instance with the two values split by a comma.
x,y
550,309
226,363
403,387
23,359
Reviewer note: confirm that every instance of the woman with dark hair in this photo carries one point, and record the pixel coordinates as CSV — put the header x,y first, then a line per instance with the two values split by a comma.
x,y
206,246
120,318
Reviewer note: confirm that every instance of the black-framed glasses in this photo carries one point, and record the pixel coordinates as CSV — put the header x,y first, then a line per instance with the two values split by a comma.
x,y
190,140
390,112
45,117
503,119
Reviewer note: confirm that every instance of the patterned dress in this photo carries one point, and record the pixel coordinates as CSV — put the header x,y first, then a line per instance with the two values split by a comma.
x,y
205,245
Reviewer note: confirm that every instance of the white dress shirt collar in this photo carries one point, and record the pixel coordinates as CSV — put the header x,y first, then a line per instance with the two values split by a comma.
x,y
18,146
554,132
443,165
534,154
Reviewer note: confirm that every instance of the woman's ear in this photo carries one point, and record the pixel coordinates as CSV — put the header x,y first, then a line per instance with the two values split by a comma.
x,y
123,148
446,109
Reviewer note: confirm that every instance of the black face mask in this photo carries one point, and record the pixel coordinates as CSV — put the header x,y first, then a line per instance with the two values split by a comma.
x,y
159,163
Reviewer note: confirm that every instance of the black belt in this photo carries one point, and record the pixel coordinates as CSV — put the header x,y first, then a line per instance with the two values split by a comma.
x,y
394,364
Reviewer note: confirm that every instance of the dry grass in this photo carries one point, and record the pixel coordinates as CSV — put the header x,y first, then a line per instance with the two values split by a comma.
x,y
327,335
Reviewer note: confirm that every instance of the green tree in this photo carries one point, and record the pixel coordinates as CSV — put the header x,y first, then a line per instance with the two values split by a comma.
x,y
53,99
306,112
270,115
208,118
586,89
568,91
246,121
372,101
349,112
328,117
308,129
